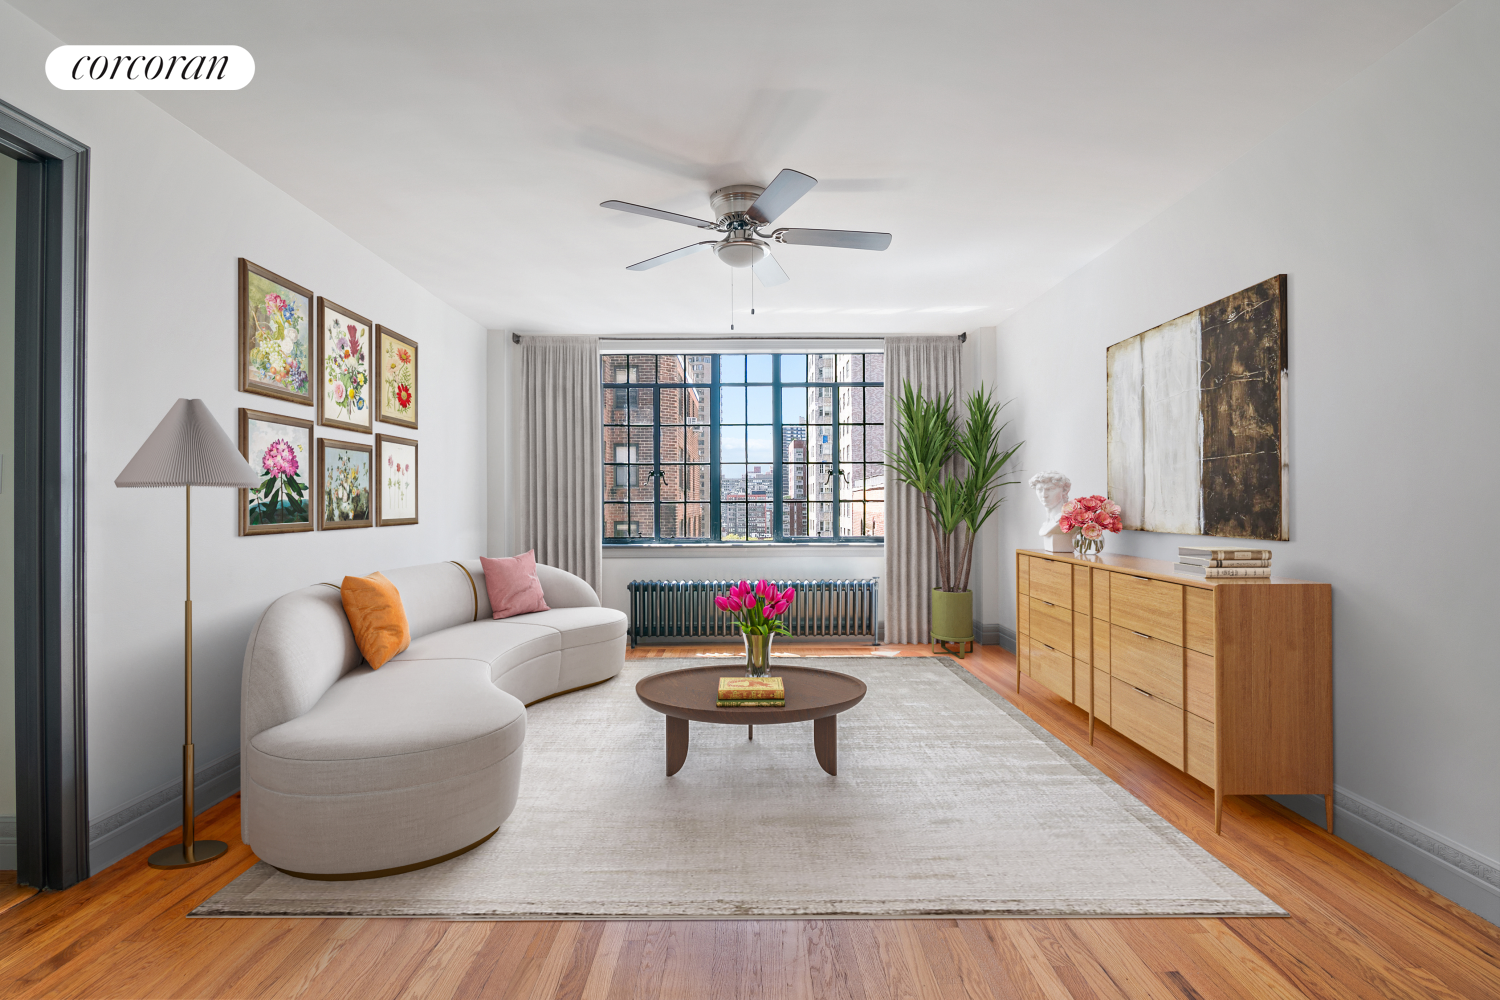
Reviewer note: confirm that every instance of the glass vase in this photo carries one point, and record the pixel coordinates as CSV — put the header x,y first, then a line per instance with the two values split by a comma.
x,y
1083,547
758,654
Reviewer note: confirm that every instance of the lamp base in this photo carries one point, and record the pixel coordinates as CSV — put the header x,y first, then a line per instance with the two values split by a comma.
x,y
176,856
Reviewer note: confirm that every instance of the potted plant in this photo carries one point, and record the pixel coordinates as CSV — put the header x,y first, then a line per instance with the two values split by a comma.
x,y
957,472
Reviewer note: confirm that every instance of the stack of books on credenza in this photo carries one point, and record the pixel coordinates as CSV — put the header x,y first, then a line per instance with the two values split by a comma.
x,y
1224,564
751,692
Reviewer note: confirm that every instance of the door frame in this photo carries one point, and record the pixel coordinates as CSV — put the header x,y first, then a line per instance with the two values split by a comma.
x,y
52,819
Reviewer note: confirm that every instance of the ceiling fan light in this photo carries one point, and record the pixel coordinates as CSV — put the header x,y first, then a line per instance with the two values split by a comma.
x,y
740,253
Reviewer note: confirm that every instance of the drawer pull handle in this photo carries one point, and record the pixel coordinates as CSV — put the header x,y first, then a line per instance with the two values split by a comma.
x,y
1143,579
1141,634
1148,694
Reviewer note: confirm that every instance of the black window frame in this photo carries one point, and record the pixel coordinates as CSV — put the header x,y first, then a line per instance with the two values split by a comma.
x,y
716,463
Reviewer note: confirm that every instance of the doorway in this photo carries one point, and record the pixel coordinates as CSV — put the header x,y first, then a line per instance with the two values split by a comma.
x,y
7,519
42,490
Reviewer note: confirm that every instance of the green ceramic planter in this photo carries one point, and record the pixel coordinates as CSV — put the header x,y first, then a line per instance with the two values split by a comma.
x,y
953,616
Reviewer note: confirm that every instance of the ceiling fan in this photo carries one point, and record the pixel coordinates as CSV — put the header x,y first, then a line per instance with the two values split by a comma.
x,y
742,211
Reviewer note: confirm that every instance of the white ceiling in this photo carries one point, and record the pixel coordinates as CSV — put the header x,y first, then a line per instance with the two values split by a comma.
x,y
1003,143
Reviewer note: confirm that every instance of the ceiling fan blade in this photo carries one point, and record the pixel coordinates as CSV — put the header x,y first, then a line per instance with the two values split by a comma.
x,y
781,194
769,271
686,251
845,238
656,213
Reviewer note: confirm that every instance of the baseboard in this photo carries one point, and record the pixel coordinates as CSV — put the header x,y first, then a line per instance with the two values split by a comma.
x,y
1004,638
142,820
7,843
1469,879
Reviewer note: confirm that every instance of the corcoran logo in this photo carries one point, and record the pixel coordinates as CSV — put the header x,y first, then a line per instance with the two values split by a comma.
x,y
150,67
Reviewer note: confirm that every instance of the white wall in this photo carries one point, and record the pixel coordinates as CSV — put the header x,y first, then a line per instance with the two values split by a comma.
x,y
1381,204
169,216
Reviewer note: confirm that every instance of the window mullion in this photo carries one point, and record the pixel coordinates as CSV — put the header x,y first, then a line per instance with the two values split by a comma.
x,y
836,428
656,451
777,487
714,485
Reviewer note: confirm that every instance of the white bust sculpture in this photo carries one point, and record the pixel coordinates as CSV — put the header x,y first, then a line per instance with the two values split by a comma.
x,y
1052,490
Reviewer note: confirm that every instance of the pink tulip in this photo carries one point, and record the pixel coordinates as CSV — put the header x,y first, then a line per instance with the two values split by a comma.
x,y
779,608
788,594
722,602
734,604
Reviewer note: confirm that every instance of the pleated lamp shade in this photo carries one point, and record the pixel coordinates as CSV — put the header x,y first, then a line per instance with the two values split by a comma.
x,y
188,448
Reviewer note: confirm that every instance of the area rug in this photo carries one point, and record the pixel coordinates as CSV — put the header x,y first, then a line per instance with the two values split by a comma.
x,y
949,802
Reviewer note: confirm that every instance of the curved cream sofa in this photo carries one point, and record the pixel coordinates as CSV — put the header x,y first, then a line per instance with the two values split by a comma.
x,y
349,772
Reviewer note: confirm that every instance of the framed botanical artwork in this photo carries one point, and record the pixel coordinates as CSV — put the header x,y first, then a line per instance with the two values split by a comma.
x,y
280,450
343,368
344,499
395,378
275,336
396,480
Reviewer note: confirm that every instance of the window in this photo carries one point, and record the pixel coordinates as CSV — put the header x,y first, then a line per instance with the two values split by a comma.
x,y
743,447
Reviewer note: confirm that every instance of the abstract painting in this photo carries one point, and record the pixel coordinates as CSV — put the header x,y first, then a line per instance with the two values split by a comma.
x,y
279,449
344,499
396,373
396,491
1195,440
275,346
343,368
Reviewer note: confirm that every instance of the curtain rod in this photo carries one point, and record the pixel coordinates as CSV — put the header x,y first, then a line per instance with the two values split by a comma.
x,y
963,338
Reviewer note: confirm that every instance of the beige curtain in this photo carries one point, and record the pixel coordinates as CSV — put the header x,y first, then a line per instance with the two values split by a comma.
x,y
932,365
562,504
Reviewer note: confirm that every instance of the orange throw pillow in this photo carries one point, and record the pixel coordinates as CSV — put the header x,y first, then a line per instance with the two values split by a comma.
x,y
373,605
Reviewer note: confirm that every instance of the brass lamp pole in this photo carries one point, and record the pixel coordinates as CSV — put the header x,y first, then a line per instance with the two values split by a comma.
x,y
188,448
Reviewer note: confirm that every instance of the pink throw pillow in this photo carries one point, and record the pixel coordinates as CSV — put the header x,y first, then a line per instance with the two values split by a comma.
x,y
512,585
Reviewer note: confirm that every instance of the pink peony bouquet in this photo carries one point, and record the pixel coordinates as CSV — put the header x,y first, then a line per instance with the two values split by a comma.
x,y
757,608
1092,516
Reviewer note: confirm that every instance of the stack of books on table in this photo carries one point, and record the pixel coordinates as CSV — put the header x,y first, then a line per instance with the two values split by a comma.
x,y
751,692
1224,564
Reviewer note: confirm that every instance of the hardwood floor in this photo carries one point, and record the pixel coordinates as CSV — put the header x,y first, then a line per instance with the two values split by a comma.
x,y
1357,928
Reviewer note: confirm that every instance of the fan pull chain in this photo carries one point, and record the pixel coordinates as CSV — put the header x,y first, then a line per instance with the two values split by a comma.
x,y
752,294
731,300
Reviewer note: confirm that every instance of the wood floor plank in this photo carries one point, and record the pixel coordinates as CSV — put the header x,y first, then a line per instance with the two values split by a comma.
x,y
1357,928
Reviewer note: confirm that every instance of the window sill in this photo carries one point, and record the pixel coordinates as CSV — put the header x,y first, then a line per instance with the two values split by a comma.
x,y
720,548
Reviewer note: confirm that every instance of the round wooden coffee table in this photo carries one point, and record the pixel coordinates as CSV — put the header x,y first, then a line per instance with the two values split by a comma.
x,y
819,695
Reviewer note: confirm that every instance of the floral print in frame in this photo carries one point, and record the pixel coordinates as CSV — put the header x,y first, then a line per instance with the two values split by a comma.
x,y
396,375
279,449
344,497
343,368
275,333
396,480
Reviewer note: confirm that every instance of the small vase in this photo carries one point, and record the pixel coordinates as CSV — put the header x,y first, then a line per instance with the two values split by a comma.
x,y
758,654
1083,547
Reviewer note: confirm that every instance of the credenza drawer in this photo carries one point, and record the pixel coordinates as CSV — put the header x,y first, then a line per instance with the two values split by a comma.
x,y
1052,625
1198,696
1023,654
1052,582
1152,607
1082,626
1148,721
1023,574
1101,645
1150,664
1101,593
1101,696
1081,683
1199,608
1052,667
1023,615
1200,749
1081,600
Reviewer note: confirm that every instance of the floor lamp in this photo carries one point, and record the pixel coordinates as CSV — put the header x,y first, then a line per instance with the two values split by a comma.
x,y
188,448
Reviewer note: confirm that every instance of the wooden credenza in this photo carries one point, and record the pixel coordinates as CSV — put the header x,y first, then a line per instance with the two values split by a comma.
x,y
1228,680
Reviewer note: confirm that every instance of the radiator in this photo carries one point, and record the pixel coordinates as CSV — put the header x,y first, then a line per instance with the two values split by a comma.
x,y
685,609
